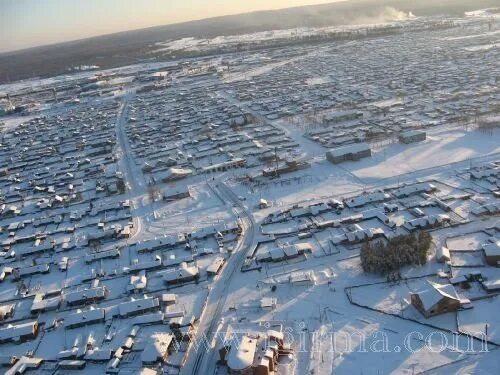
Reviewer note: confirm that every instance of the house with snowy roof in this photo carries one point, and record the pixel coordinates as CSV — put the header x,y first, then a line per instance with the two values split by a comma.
x,y
437,299
184,273
158,349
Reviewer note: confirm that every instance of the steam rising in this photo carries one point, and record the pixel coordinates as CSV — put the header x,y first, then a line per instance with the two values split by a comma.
x,y
383,15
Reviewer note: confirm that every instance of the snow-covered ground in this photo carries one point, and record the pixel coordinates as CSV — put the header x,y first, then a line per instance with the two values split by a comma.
x,y
198,240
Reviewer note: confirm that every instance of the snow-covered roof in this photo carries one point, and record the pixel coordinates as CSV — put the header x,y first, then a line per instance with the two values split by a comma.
x,y
156,243
41,303
431,296
349,149
39,268
175,173
183,272
241,357
102,255
443,254
414,189
156,262
6,309
492,249
137,305
411,133
491,285
84,317
423,222
168,298
24,364
152,318
85,294
361,200
157,349
138,282
215,265
98,355
14,331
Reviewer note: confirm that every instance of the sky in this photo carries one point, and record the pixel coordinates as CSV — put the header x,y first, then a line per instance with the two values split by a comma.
x,y
29,23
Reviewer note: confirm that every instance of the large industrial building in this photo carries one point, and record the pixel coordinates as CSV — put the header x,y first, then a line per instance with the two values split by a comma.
x,y
352,152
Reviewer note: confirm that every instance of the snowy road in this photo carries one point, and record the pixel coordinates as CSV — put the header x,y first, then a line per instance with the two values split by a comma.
x,y
136,183
198,362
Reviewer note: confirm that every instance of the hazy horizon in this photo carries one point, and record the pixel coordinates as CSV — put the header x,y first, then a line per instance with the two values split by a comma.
x,y
32,23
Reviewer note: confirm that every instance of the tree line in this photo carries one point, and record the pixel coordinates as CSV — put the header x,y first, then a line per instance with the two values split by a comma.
x,y
388,256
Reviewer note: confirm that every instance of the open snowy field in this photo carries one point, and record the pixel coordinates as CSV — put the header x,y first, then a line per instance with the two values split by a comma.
x,y
442,147
482,321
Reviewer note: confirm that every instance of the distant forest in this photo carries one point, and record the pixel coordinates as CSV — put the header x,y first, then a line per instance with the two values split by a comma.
x,y
132,46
